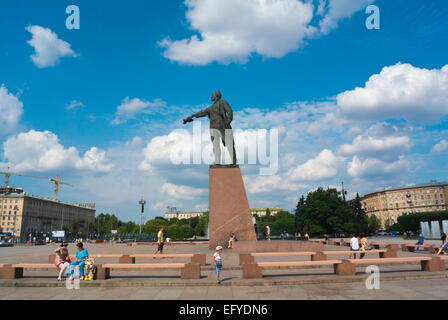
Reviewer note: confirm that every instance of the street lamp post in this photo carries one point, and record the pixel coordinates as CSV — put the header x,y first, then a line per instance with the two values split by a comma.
x,y
142,203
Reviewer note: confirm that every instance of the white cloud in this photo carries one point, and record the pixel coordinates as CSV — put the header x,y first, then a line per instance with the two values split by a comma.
x,y
381,140
329,120
374,169
48,47
440,147
159,206
233,29
159,150
11,110
338,10
182,192
94,160
74,104
130,108
399,91
324,166
41,151
270,184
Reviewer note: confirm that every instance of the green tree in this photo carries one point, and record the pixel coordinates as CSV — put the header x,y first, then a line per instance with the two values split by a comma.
x,y
185,231
129,228
153,226
360,223
373,223
75,227
411,222
325,212
268,212
173,231
298,219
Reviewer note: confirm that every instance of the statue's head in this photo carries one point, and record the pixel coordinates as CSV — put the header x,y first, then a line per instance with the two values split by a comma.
x,y
216,95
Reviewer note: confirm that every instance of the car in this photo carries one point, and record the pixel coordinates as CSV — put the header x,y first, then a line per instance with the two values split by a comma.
x,y
382,233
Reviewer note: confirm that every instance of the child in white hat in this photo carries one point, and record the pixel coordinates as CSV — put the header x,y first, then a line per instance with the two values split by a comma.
x,y
217,259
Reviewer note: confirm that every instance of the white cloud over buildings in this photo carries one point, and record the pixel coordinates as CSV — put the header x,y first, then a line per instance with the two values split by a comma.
x,y
324,166
41,151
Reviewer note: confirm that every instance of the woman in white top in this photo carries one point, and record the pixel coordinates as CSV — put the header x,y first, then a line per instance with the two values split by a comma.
x,y
354,246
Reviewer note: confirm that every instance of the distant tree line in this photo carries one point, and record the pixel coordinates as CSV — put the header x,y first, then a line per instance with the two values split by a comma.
x,y
105,223
411,222
321,212
278,223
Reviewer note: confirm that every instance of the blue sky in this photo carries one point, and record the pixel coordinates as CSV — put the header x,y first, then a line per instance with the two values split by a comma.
x,y
303,70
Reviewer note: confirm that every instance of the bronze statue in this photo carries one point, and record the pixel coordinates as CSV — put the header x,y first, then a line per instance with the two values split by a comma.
x,y
220,115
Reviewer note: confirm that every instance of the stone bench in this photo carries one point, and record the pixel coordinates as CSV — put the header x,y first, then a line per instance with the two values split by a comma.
x,y
315,255
255,270
187,270
250,257
413,247
126,258
432,264
194,257
383,253
346,267
15,271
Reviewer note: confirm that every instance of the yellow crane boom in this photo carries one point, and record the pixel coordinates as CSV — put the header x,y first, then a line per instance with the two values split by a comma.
x,y
55,181
8,174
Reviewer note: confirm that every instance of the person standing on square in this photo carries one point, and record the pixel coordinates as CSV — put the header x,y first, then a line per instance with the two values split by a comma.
x,y
217,261
160,242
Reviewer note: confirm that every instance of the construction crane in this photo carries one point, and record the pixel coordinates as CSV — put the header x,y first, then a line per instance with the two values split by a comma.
x,y
57,182
9,174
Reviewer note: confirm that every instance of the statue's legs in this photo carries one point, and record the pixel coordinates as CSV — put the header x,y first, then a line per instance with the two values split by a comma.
x,y
216,138
230,143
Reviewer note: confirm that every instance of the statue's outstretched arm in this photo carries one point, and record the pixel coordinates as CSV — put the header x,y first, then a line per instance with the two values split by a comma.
x,y
199,114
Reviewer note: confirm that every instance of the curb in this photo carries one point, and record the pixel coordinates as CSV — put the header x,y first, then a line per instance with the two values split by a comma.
x,y
112,284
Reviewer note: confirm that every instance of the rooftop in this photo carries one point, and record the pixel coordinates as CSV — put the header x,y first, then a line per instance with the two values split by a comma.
x,y
19,193
432,183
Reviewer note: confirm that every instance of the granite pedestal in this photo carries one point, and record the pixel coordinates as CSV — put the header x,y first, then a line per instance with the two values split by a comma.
x,y
229,208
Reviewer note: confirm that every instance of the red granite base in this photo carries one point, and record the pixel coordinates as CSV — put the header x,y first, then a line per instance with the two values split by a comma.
x,y
276,246
229,208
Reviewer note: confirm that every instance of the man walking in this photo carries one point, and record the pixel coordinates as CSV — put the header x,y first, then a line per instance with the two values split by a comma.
x,y
160,241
